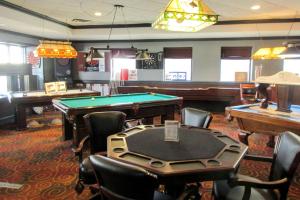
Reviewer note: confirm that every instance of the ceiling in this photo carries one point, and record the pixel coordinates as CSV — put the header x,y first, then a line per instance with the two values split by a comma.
x,y
143,11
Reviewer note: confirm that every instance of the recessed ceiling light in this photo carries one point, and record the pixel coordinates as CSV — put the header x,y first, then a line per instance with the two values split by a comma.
x,y
98,14
255,7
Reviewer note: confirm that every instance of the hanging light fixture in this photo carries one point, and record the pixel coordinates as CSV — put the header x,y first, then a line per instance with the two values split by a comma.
x,y
186,16
292,51
268,53
143,55
55,49
93,54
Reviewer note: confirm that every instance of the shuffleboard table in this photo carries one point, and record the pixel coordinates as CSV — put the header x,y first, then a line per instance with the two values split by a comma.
x,y
136,106
252,118
23,100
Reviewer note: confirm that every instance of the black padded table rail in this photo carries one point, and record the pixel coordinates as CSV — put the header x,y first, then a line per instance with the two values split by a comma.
x,y
193,144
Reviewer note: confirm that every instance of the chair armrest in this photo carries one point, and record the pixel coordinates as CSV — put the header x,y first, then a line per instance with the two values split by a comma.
x,y
255,183
79,150
258,158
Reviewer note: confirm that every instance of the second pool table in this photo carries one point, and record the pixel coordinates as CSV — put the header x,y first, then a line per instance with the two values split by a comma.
x,y
136,105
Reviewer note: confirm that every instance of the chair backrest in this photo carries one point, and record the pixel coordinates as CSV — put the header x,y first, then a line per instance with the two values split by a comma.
x,y
120,181
195,117
100,125
286,156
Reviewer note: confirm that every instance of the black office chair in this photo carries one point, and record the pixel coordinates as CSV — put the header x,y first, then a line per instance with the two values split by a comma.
x,y
99,125
195,117
120,181
284,164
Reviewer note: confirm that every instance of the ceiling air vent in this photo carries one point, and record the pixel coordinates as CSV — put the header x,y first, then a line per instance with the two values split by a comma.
x,y
80,20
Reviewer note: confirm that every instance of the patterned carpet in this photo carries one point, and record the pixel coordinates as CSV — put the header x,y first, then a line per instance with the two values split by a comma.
x,y
46,167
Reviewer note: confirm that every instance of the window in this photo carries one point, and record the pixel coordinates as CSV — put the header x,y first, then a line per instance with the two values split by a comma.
x,y
178,64
235,64
178,69
230,67
12,54
3,53
16,54
292,65
3,84
122,59
122,63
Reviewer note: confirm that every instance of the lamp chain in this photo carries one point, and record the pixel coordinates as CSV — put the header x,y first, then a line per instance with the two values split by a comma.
x,y
128,31
113,21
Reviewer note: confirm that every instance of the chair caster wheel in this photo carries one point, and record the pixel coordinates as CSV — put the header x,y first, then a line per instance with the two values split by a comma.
x,y
79,188
94,190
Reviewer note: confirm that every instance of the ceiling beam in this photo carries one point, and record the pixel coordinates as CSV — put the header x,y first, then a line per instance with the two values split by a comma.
x,y
190,39
32,13
139,25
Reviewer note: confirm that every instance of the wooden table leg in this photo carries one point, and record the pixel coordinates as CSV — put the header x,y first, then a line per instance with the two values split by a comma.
x,y
67,128
243,137
170,110
271,142
20,117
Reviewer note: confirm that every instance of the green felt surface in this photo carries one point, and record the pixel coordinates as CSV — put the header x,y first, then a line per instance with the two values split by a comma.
x,y
111,100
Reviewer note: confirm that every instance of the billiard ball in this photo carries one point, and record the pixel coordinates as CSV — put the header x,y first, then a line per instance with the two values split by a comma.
x,y
93,98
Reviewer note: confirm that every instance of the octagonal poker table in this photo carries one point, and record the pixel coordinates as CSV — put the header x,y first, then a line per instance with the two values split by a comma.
x,y
200,154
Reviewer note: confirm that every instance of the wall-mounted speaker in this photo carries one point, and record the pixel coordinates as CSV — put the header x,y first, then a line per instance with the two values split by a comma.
x,y
62,67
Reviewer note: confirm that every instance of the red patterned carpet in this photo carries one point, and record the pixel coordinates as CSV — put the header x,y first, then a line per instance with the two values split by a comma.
x,y
46,167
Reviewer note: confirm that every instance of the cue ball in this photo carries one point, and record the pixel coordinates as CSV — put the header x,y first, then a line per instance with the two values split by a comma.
x,y
93,98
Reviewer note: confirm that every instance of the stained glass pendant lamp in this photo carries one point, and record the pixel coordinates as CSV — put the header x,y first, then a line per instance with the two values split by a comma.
x,y
55,49
186,16
268,53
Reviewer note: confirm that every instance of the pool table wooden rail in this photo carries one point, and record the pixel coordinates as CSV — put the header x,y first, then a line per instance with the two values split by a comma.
x,y
73,123
255,121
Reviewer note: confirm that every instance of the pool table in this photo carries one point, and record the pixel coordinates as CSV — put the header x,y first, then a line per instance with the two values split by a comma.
x,y
252,118
135,105
23,100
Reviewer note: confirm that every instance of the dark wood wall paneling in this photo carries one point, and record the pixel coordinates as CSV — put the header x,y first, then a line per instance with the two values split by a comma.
x,y
178,52
236,52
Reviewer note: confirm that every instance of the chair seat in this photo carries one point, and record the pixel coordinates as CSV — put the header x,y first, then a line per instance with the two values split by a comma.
x,y
223,191
86,171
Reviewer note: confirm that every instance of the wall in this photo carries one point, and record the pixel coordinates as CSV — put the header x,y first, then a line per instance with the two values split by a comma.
x,y
9,37
206,56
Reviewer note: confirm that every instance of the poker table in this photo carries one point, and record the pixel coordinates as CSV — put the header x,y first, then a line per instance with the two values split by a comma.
x,y
200,154
136,106
252,118
23,100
